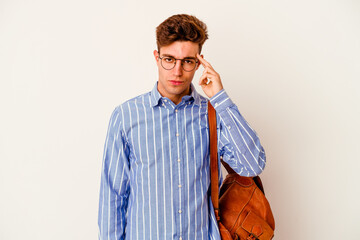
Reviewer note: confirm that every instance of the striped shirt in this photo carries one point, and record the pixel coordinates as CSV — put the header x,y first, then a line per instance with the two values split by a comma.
x,y
155,174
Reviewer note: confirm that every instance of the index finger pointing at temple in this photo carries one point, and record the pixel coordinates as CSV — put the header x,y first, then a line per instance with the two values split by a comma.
x,y
203,61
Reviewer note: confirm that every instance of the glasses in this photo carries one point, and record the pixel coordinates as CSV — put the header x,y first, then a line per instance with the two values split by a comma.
x,y
188,64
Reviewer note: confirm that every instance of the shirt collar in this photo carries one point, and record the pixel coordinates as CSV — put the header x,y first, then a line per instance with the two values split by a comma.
x,y
156,96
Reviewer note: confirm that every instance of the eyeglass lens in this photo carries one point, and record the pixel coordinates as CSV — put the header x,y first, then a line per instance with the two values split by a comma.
x,y
187,64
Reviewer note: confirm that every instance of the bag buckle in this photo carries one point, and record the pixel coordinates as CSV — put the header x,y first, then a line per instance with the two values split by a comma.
x,y
252,237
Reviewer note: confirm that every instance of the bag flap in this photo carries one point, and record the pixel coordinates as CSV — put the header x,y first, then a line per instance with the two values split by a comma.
x,y
257,226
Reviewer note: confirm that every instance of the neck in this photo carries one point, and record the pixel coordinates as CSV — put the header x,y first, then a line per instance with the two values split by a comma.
x,y
176,99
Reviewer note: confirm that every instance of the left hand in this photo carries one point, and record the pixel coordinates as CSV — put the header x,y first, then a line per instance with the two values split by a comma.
x,y
210,80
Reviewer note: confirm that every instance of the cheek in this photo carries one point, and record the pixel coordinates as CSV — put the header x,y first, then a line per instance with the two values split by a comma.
x,y
162,74
190,75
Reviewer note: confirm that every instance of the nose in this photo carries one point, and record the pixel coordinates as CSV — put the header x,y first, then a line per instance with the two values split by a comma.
x,y
178,68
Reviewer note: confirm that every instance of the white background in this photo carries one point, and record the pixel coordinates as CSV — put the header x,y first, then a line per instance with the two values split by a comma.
x,y
292,68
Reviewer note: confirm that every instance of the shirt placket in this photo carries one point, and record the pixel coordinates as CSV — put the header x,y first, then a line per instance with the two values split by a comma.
x,y
179,181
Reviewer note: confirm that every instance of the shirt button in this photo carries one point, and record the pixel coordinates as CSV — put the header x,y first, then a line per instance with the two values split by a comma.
x,y
165,100
176,110
180,238
180,211
179,186
178,160
229,127
177,134
216,104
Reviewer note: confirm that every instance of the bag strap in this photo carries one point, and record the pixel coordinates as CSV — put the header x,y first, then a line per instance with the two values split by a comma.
x,y
214,167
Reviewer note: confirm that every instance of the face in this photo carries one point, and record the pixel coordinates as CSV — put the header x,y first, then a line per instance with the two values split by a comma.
x,y
175,83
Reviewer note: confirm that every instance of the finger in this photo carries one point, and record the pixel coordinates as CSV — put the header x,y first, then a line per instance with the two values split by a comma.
x,y
204,79
203,61
212,75
204,82
210,70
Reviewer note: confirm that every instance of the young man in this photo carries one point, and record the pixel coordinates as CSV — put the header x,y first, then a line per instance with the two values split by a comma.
x,y
155,177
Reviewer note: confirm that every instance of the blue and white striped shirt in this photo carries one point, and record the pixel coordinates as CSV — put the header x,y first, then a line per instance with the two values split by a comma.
x,y
155,174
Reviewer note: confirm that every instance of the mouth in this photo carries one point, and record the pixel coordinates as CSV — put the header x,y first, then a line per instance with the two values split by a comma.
x,y
174,82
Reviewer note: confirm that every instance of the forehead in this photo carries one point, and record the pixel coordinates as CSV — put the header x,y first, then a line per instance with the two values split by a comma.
x,y
180,49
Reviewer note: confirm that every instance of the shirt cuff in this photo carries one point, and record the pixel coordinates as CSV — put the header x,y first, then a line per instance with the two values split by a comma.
x,y
220,101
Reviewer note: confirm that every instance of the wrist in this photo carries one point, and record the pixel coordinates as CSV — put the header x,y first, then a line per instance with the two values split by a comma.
x,y
220,101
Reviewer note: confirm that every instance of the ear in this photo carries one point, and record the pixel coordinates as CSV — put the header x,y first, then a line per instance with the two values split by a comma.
x,y
197,67
156,55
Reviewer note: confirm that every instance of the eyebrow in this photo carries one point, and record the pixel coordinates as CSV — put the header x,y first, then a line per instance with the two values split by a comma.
x,y
168,55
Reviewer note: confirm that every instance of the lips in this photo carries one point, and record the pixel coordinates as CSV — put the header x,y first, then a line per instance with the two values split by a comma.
x,y
174,82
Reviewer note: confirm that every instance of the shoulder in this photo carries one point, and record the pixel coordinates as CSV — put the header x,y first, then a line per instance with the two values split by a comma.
x,y
129,105
203,100
200,100
125,110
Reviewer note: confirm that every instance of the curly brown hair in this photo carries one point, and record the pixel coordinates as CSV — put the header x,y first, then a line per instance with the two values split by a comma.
x,y
181,27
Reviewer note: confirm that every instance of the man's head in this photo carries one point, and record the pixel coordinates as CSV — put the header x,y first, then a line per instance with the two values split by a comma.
x,y
181,27
178,37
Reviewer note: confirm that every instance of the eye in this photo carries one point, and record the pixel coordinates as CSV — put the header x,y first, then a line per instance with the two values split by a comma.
x,y
168,59
189,61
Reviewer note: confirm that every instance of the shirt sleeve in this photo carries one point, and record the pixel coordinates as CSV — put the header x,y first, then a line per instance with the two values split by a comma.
x,y
239,146
114,186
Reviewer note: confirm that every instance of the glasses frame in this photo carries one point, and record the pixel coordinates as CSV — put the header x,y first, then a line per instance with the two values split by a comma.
x,y
196,63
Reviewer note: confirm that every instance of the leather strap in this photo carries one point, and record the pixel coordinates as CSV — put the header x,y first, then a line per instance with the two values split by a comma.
x,y
214,167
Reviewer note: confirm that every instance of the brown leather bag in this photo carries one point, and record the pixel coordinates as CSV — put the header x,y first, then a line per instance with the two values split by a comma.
x,y
242,210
